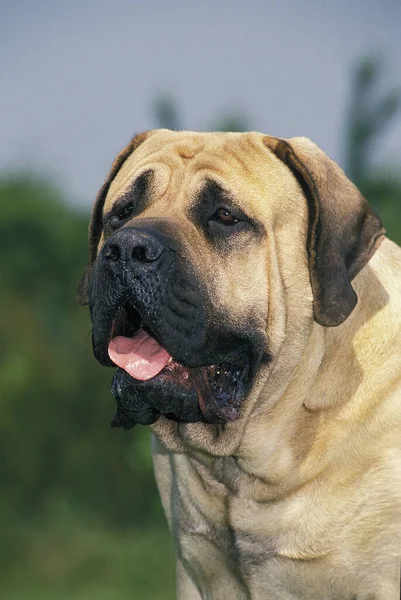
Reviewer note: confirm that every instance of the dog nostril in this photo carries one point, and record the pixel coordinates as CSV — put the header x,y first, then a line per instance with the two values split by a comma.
x,y
112,252
146,254
139,254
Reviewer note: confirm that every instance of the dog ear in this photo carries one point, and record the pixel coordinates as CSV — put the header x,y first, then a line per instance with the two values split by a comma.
x,y
343,232
95,223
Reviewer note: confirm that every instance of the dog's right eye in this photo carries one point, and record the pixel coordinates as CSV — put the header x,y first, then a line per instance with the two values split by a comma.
x,y
122,215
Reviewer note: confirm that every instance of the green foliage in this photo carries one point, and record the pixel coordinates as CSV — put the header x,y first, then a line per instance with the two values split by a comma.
x,y
66,558
167,115
59,455
231,122
370,113
383,190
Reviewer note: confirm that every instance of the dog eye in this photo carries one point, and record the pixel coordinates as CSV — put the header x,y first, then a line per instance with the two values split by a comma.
x,y
225,217
125,213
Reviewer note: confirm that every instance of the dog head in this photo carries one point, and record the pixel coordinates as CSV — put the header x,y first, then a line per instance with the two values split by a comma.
x,y
206,252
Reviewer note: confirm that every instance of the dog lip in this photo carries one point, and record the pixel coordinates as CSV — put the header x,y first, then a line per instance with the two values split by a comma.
x,y
218,389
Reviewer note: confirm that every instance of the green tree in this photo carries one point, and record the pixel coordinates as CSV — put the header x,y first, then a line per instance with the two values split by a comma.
x,y
369,115
371,112
167,115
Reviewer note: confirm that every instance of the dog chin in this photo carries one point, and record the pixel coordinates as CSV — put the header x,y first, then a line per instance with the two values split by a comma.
x,y
211,394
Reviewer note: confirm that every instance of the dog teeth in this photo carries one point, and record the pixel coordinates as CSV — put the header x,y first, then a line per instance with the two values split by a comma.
x,y
170,360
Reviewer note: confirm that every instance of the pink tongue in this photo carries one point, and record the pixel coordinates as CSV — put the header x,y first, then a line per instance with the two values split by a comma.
x,y
140,356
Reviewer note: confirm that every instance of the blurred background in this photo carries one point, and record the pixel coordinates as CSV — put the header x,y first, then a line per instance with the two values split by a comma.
x,y
80,517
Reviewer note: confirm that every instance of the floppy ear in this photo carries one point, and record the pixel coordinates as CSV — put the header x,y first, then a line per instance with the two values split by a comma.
x,y
343,233
95,223
82,292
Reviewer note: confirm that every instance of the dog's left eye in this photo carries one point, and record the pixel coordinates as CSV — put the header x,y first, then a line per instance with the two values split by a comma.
x,y
125,213
225,217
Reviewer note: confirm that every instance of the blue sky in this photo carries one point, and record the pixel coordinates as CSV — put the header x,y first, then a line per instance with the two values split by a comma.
x,y
80,77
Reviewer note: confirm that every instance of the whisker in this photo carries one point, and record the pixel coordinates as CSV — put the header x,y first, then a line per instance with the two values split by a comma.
x,y
88,336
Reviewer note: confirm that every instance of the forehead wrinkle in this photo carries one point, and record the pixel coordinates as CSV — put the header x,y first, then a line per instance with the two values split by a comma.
x,y
182,164
161,175
232,151
229,167
234,192
139,194
240,157
213,152
209,187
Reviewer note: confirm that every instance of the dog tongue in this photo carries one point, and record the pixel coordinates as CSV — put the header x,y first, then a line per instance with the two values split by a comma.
x,y
140,356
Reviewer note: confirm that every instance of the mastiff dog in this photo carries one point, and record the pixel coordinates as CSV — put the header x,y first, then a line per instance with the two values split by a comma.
x,y
251,303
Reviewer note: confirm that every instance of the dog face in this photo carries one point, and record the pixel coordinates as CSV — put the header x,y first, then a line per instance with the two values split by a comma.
x,y
206,252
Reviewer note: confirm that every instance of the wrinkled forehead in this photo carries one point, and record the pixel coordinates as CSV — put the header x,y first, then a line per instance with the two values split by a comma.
x,y
181,164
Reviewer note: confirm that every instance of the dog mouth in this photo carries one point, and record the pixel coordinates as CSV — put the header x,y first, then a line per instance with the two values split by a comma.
x,y
217,388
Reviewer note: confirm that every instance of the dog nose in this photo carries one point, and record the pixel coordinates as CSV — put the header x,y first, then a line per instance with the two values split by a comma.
x,y
132,245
